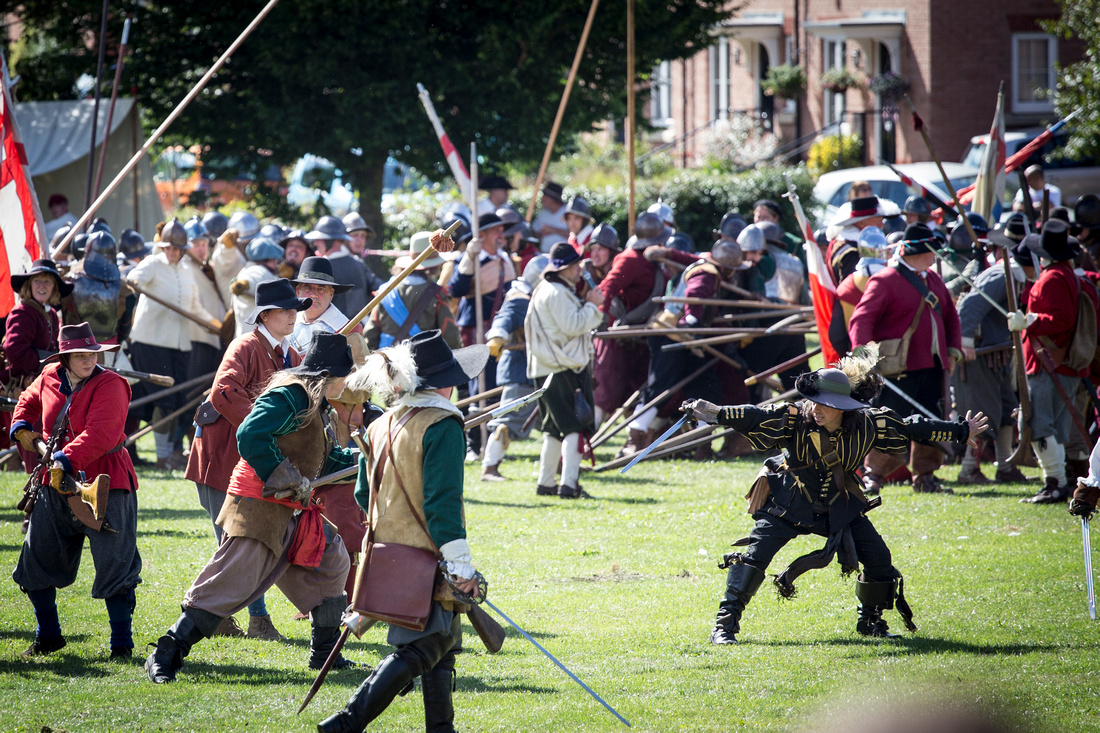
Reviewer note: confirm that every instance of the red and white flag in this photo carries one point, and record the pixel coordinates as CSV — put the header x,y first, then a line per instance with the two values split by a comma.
x,y
990,185
823,295
458,168
22,229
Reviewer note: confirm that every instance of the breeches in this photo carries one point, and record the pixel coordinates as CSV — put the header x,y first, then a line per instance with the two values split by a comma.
x,y
771,534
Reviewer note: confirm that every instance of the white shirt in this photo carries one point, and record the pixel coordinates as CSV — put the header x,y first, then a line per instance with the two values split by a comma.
x,y
65,220
331,321
285,343
553,219
1037,195
153,323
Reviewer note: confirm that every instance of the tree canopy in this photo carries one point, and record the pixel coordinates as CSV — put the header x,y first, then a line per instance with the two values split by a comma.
x,y
1079,83
338,78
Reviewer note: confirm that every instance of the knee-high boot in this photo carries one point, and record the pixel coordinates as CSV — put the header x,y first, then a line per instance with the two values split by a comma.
x,y
437,685
373,696
874,598
741,585
191,627
326,632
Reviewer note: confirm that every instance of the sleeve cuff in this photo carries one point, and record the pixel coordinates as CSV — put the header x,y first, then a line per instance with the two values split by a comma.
x,y
63,459
19,425
952,351
967,343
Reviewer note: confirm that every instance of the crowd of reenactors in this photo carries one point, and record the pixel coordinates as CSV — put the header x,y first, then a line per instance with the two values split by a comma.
x,y
257,328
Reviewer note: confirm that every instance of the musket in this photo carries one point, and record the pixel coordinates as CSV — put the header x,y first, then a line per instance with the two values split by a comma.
x,y
737,335
725,303
554,659
157,379
993,348
640,456
782,367
142,401
488,394
517,404
1023,450
393,283
1087,542
213,326
721,283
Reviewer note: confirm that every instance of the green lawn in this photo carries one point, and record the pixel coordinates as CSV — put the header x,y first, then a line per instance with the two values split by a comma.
x,y
623,590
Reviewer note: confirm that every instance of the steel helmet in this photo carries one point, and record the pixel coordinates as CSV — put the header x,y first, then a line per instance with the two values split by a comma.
x,y
195,229
463,233
916,205
533,271
246,225
354,222
649,231
131,244
76,246
1087,211
274,232
261,248
215,223
578,206
663,212
872,243
751,238
606,236
731,226
99,224
960,238
772,233
683,242
173,234
726,253
513,222
102,242
329,228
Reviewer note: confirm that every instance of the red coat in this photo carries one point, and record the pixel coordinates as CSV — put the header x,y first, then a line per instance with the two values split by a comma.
x,y
27,331
97,416
632,275
1053,300
247,365
887,308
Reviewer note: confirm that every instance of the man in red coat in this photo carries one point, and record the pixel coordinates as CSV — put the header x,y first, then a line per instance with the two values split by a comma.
x,y
248,363
1052,304
84,407
887,310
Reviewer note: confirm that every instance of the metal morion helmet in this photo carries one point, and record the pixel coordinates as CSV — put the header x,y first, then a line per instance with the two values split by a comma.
x,y
649,231
195,229
130,241
916,205
463,233
578,206
173,234
663,212
1086,212
872,243
751,238
732,225
247,226
772,233
606,236
513,222
533,271
215,223
726,253
960,238
274,232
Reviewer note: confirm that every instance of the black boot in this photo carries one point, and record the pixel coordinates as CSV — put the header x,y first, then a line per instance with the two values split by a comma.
x,y
874,598
741,585
437,684
326,632
373,696
192,626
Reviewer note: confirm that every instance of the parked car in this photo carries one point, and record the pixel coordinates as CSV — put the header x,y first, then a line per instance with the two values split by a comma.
x,y
1075,176
832,188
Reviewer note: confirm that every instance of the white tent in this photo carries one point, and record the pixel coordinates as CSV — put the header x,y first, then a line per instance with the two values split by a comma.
x,y
57,137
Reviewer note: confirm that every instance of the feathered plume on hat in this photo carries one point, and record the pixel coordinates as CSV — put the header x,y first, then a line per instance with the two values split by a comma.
x,y
861,369
389,374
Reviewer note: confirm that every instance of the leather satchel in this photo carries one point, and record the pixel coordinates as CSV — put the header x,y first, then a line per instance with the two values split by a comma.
x,y
397,580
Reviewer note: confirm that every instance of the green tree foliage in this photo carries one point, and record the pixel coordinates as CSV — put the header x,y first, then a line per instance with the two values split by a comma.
x,y
338,77
1079,83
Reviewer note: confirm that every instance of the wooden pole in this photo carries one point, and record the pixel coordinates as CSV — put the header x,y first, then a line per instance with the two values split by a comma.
x,y
166,419
479,397
90,212
628,405
119,63
95,105
561,108
213,327
142,401
630,114
479,308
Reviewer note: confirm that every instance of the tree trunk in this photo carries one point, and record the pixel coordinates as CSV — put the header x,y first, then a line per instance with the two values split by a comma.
x,y
367,172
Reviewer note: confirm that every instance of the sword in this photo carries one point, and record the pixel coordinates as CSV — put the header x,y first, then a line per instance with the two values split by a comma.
x,y
554,659
649,449
1088,566
897,390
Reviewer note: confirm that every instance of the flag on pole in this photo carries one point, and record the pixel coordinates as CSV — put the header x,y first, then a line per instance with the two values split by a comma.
x,y
823,295
22,229
458,168
990,185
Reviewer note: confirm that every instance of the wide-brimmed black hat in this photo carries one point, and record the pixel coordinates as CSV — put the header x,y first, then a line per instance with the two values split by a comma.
x,y
277,294
328,355
829,387
39,267
918,239
318,271
562,255
1022,251
78,339
488,183
488,221
1011,232
554,191
438,367
1054,242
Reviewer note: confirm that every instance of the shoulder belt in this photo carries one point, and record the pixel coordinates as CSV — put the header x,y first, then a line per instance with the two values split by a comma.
x,y
927,295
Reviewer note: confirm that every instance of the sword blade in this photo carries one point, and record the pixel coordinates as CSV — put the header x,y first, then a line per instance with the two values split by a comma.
x,y
652,446
1087,542
554,659
518,403
332,656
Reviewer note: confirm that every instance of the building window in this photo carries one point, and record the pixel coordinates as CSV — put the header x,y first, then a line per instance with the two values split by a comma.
x,y
832,56
718,56
660,95
1033,59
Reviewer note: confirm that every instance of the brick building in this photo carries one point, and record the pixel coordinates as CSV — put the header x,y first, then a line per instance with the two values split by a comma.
x,y
953,54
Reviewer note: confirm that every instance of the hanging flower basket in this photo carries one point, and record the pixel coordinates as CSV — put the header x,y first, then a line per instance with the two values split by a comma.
x,y
786,80
890,87
838,79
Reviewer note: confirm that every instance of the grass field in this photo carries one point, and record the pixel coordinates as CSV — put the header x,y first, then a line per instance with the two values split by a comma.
x,y
623,589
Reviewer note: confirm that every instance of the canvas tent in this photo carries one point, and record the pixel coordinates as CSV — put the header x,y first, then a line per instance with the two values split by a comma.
x,y
57,137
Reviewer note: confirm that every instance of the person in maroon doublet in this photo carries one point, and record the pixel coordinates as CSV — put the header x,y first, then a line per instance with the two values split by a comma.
x,y
886,311
249,362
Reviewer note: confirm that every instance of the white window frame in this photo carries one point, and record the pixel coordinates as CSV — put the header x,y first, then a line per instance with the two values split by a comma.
x,y
718,57
1052,59
660,95
833,55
